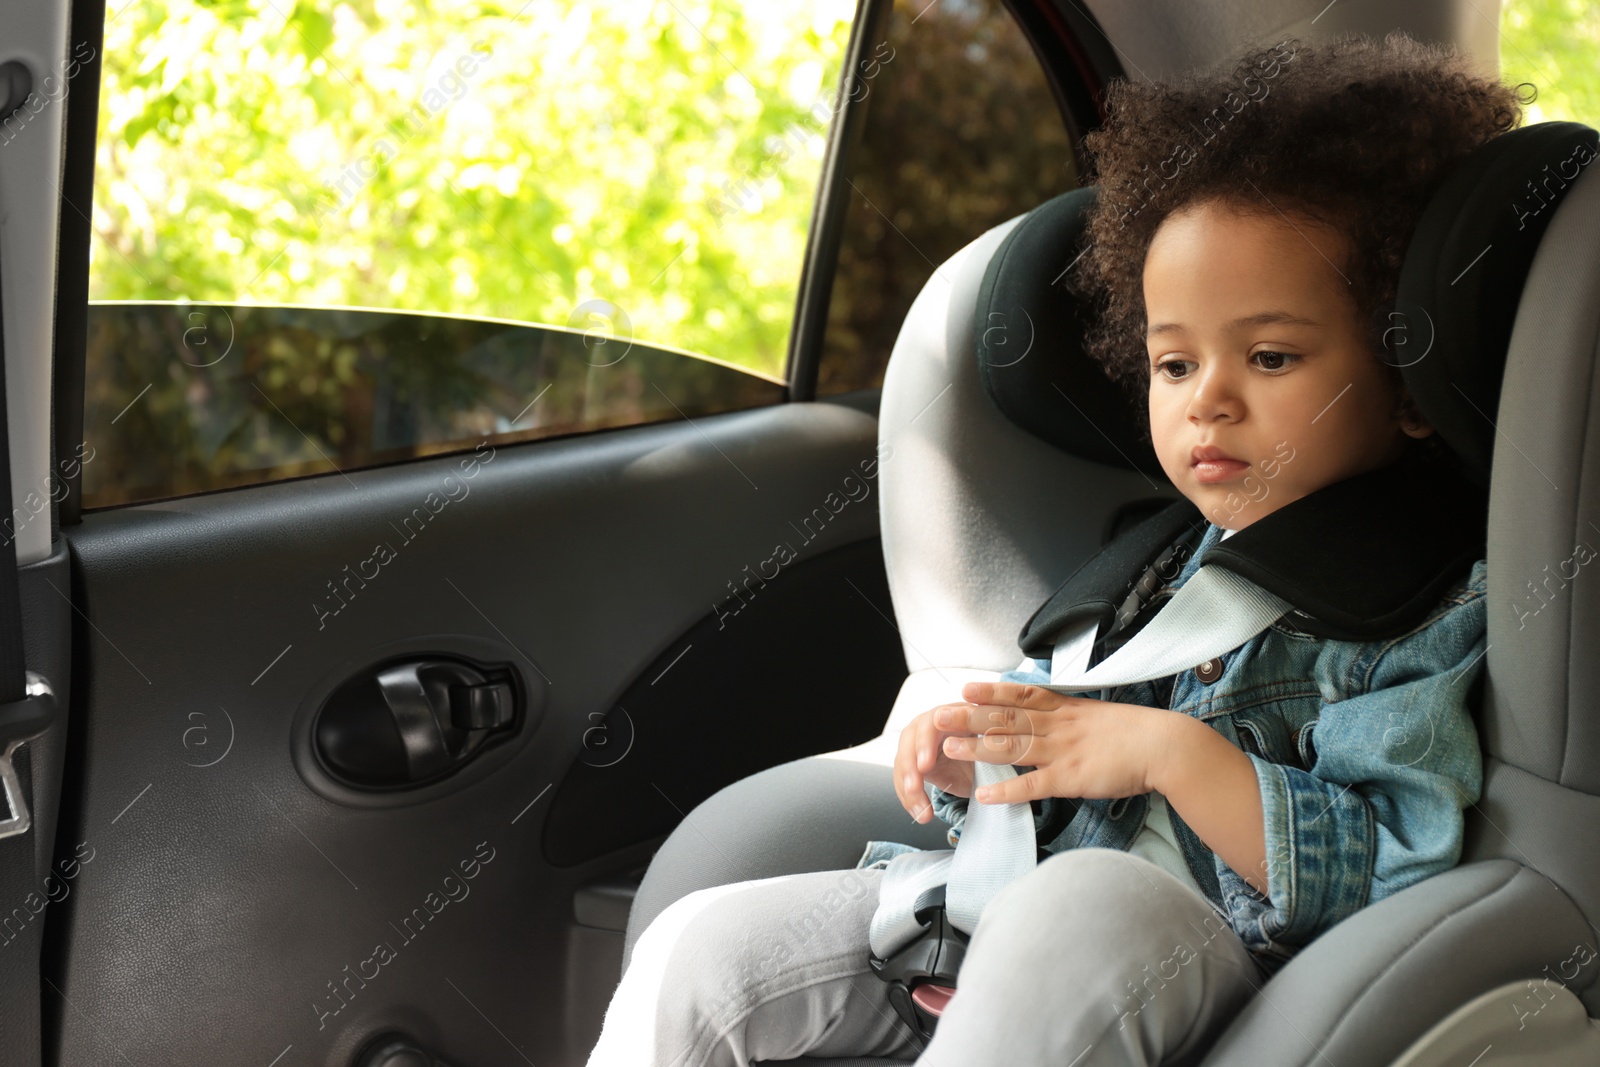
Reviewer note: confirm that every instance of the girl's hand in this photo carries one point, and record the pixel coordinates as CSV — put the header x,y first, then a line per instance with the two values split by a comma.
x,y
1079,746
921,756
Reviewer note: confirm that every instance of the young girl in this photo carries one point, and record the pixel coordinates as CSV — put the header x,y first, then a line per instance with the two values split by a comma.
x,y
1244,253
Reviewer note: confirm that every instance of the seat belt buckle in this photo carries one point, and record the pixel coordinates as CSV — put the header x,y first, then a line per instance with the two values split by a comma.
x,y
21,721
922,974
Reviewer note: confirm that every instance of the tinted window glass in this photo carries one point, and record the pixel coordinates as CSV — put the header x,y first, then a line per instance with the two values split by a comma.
x,y
962,133
212,396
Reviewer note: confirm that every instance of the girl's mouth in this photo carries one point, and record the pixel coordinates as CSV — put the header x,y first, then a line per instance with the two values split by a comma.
x,y
1219,470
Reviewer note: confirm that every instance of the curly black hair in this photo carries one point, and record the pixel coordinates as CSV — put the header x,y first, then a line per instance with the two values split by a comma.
x,y
1356,133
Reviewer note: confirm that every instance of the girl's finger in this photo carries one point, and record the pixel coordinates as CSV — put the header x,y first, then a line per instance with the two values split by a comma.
x,y
905,766
921,806
1023,787
988,748
927,741
1017,694
953,718
1005,718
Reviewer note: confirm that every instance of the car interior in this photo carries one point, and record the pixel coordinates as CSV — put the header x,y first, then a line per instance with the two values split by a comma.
x,y
384,756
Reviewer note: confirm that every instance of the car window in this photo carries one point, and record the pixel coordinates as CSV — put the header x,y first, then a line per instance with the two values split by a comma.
x,y
329,235
962,133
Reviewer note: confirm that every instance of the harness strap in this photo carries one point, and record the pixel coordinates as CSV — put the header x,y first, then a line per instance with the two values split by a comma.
x,y
1215,611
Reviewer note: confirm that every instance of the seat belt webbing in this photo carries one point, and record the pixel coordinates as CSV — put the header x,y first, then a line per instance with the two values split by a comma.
x,y
1214,612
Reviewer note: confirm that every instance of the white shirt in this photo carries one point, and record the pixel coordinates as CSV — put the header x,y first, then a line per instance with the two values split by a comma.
x,y
1156,841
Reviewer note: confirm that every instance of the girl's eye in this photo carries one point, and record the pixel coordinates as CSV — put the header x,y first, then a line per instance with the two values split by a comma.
x,y
1276,360
1167,367
1269,360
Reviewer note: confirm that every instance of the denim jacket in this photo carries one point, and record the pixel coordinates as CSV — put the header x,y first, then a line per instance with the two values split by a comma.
x,y
1365,755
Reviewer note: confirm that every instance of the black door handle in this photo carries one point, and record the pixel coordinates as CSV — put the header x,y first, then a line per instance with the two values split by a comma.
x,y
408,723
421,732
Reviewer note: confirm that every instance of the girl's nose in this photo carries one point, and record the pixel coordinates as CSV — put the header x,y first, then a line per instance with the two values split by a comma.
x,y
1215,394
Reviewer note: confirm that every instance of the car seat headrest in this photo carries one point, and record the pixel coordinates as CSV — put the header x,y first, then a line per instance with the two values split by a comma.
x,y
1464,273
1460,285
1030,343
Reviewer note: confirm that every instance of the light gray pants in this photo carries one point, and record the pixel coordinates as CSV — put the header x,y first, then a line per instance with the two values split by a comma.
x,y
1094,958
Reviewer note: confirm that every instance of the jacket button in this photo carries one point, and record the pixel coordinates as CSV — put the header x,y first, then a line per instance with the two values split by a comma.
x,y
1209,671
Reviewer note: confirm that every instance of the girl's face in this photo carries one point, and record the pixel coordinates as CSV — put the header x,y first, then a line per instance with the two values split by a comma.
x,y
1257,352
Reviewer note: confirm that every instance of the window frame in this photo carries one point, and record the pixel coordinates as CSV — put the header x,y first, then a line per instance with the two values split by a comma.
x,y
70,345
825,235
1076,59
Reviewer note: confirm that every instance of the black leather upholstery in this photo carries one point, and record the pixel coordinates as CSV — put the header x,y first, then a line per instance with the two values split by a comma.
x,y
1030,343
1464,274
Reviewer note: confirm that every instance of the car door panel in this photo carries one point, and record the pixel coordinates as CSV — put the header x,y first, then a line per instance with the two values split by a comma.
x,y
233,913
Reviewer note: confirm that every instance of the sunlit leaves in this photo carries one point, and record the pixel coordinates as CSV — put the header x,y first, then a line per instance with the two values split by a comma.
x,y
468,159
314,27
1555,44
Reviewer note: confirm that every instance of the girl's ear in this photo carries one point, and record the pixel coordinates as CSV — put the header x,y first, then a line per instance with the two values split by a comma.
x,y
1412,422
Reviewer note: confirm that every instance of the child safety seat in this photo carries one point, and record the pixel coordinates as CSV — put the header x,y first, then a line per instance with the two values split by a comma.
x,y
1321,560
1015,461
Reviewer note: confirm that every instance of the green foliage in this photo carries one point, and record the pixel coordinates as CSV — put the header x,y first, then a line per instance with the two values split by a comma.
x,y
1555,44
472,159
